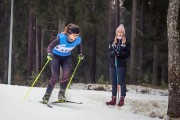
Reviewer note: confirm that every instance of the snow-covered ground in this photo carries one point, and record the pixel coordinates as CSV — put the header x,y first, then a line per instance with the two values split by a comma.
x,y
140,104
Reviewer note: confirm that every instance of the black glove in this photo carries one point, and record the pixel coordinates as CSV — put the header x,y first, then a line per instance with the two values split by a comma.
x,y
113,53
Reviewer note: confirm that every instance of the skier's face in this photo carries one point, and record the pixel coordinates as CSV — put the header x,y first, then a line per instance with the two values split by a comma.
x,y
73,36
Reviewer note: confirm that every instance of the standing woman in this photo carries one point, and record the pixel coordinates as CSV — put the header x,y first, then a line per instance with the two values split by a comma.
x,y
59,52
119,50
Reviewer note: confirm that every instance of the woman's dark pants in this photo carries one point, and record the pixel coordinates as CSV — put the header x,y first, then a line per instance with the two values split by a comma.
x,y
121,75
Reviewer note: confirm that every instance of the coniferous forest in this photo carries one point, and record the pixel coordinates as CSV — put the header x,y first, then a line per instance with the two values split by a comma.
x,y
152,27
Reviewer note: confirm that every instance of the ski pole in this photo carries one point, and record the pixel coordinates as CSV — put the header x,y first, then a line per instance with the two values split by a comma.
x,y
36,79
73,75
118,86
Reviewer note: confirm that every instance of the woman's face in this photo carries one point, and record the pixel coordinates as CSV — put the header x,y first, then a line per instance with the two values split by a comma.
x,y
73,36
120,34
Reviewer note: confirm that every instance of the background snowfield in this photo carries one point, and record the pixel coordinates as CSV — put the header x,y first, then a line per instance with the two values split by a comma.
x,y
139,105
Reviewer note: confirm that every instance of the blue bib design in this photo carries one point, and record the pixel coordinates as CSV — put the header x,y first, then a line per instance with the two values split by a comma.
x,y
64,48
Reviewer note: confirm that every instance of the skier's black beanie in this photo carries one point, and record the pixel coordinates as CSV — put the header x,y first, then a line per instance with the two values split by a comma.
x,y
74,29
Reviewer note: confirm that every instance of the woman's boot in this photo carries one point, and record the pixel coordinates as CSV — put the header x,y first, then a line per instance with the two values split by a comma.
x,y
121,102
112,102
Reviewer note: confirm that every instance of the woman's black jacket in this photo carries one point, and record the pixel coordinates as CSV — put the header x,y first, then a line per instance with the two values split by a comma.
x,y
119,51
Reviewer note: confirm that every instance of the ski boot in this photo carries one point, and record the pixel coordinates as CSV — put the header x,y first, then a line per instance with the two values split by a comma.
x,y
46,97
112,102
61,95
121,102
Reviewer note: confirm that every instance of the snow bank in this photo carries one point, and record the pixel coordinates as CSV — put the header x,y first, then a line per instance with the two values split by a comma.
x,y
137,106
139,100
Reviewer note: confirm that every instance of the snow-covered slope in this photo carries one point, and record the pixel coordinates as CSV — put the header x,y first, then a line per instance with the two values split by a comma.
x,y
137,106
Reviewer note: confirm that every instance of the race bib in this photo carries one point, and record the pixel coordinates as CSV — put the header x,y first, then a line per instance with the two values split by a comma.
x,y
63,49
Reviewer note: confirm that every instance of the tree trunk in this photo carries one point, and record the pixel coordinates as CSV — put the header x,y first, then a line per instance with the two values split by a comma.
x,y
133,45
94,51
38,54
117,13
173,59
30,44
94,60
155,66
163,74
141,40
5,64
155,52
42,46
110,14
5,45
61,25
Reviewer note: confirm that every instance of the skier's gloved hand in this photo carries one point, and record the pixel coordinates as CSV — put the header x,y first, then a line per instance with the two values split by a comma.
x,y
49,56
80,56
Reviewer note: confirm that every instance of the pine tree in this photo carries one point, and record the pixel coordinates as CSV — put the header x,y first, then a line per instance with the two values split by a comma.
x,y
173,59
